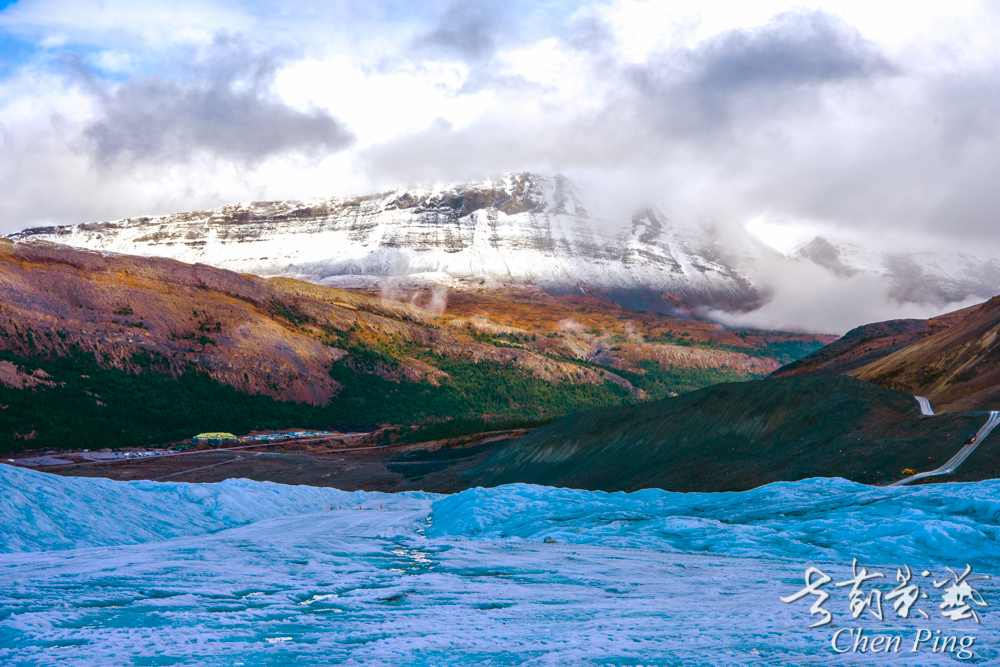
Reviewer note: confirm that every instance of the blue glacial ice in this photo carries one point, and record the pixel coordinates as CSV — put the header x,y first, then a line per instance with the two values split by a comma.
x,y
818,519
242,572
42,512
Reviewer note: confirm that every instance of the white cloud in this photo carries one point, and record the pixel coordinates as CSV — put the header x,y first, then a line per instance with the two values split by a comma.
x,y
379,106
785,236
115,61
152,23
807,297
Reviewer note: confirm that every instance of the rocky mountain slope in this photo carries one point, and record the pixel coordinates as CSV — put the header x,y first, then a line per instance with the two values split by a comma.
x,y
953,359
81,326
958,368
869,343
521,229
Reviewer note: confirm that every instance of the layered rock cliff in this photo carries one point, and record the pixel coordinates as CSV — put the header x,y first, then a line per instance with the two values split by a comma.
x,y
523,229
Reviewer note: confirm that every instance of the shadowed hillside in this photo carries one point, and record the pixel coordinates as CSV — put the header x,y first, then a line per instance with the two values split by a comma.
x,y
953,359
733,437
723,438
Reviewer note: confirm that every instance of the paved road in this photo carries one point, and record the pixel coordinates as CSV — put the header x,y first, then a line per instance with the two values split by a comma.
x,y
925,406
963,453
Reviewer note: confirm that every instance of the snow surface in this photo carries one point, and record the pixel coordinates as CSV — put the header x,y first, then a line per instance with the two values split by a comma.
x,y
242,572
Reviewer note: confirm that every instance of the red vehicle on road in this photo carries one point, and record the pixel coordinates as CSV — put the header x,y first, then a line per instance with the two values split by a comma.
x,y
972,439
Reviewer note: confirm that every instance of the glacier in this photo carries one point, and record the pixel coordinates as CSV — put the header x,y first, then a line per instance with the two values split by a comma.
x,y
254,573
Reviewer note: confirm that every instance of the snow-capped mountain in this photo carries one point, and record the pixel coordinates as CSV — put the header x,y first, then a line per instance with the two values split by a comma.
x,y
931,277
522,228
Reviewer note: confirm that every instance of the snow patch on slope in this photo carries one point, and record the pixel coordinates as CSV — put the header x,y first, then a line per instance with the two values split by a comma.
x,y
523,228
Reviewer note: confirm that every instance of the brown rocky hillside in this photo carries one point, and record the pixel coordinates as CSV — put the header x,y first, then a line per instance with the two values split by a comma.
x,y
260,336
958,367
869,343
100,349
952,359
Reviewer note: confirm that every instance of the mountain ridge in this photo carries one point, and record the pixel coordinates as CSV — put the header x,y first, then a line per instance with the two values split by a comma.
x,y
952,359
523,228
520,229
957,368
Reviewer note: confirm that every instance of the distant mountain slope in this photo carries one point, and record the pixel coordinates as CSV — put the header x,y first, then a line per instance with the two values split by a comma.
x,y
523,229
958,368
869,343
953,359
928,277
733,437
858,347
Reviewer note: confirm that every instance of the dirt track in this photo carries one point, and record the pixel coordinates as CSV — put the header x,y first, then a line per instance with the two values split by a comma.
x,y
435,466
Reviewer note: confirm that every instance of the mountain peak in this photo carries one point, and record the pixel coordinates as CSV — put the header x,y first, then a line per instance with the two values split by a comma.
x,y
516,228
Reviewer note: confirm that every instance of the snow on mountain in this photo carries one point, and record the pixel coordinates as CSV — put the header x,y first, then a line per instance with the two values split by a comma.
x,y
933,277
522,228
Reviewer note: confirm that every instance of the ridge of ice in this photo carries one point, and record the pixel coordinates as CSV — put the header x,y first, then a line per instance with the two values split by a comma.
x,y
44,512
814,518
827,519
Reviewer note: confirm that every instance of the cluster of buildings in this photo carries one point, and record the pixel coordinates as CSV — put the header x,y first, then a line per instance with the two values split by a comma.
x,y
216,439
268,437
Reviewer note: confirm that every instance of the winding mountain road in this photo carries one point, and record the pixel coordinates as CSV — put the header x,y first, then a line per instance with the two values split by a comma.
x,y
963,453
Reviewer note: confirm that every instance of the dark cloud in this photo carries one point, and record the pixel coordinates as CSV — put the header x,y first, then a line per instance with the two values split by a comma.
x,y
793,49
743,72
224,106
469,29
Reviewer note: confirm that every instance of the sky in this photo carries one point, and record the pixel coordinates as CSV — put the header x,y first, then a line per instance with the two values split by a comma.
x,y
873,122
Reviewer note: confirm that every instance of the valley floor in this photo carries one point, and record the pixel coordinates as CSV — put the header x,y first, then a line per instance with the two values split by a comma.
x,y
424,466
353,468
